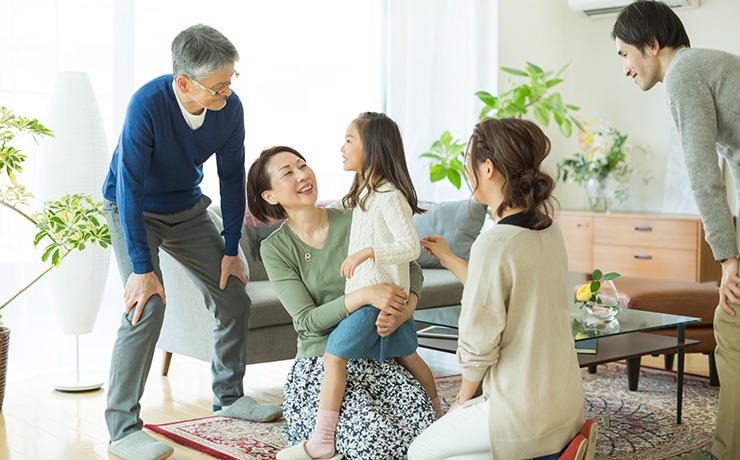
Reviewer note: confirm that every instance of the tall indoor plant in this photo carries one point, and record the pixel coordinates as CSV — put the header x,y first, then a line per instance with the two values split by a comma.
x,y
64,225
535,94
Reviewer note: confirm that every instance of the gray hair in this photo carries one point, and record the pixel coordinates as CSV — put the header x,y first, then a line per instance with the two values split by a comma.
x,y
200,50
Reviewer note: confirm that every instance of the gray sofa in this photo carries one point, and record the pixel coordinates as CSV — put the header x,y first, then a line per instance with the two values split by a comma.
x,y
188,325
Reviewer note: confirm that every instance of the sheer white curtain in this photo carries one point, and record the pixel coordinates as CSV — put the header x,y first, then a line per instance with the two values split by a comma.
x,y
306,70
438,53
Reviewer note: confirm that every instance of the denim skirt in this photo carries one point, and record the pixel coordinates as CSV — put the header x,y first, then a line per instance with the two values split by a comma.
x,y
357,337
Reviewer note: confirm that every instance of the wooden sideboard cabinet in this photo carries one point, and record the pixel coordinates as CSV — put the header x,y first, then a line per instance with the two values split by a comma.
x,y
652,246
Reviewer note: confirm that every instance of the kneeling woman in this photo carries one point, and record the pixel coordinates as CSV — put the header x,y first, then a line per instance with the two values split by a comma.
x,y
514,324
383,408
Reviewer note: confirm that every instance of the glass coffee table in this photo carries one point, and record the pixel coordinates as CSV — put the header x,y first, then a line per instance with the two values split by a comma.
x,y
627,339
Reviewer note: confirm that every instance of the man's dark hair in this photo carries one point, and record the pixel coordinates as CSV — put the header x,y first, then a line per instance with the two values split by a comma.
x,y
644,22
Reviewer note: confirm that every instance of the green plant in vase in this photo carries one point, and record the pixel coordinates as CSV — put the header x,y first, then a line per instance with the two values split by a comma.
x,y
603,165
535,94
599,297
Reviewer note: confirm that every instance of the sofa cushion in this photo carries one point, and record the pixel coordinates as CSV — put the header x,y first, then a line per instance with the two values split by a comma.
x,y
673,297
440,289
458,221
266,308
253,233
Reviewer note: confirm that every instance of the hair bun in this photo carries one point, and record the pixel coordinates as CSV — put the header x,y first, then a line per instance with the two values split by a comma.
x,y
527,181
543,186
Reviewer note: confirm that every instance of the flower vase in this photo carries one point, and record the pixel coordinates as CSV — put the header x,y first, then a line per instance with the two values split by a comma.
x,y
601,193
603,310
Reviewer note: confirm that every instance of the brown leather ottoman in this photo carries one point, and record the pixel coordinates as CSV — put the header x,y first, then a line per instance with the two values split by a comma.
x,y
677,298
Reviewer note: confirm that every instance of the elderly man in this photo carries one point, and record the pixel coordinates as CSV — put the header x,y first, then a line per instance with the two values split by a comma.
x,y
703,90
153,200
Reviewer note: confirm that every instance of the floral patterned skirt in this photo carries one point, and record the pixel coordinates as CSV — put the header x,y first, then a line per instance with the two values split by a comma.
x,y
383,410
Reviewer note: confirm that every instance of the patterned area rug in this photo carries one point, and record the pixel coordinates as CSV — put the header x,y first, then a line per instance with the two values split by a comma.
x,y
633,425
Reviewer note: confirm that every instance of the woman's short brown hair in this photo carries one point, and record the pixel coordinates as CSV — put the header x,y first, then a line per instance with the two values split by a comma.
x,y
258,181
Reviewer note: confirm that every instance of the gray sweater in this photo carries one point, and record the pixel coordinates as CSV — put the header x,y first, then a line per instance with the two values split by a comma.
x,y
703,89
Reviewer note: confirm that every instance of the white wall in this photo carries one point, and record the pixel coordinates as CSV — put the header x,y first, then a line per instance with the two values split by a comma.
x,y
550,34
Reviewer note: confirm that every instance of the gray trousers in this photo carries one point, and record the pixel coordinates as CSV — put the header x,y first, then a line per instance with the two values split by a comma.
x,y
193,240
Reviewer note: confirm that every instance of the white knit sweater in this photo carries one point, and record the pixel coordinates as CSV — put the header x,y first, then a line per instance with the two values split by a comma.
x,y
386,226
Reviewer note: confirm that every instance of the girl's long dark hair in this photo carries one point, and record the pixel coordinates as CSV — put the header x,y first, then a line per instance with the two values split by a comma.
x,y
384,159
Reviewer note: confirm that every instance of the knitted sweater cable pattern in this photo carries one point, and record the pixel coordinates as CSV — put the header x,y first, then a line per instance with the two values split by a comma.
x,y
387,227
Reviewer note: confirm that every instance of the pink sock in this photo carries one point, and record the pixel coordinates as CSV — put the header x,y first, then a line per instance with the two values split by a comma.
x,y
437,406
321,445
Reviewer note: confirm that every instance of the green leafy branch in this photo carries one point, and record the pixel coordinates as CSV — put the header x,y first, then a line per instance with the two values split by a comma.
x,y
535,94
448,156
65,225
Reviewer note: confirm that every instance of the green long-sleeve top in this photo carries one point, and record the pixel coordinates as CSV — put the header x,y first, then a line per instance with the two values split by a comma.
x,y
313,292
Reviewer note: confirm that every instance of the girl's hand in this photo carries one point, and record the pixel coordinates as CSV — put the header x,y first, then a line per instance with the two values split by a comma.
x,y
351,262
436,246
386,297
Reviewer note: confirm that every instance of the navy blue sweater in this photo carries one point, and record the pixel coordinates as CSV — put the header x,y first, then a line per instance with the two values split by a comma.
x,y
158,165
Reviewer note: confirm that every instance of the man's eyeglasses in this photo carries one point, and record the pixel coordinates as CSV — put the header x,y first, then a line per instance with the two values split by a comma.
x,y
213,92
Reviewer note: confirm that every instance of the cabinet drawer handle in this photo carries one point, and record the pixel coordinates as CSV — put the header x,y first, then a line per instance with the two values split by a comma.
x,y
643,228
643,256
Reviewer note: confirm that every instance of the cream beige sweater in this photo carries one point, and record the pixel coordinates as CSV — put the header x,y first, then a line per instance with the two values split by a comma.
x,y
386,226
515,336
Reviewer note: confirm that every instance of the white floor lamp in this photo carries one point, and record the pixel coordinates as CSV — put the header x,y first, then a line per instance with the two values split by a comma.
x,y
75,161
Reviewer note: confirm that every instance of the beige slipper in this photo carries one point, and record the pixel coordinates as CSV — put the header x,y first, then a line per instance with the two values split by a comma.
x,y
298,452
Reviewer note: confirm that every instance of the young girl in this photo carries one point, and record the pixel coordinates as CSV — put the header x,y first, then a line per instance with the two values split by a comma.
x,y
382,242
514,324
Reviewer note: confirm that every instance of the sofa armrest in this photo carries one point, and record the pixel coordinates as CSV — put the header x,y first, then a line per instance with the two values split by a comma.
x,y
183,331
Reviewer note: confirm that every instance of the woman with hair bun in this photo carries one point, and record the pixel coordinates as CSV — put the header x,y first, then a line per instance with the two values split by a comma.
x,y
514,327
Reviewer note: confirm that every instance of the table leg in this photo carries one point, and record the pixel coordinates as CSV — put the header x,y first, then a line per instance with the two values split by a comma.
x,y
633,372
679,383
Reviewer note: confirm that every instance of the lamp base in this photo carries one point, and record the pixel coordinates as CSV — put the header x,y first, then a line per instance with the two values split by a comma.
x,y
76,385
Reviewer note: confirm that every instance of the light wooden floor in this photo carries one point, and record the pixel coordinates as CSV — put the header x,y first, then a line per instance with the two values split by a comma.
x,y
39,423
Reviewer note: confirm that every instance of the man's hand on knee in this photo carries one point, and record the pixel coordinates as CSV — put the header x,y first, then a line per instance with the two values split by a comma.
x,y
232,266
729,289
138,290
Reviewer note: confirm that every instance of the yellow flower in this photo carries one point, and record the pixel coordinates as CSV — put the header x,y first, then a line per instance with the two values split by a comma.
x,y
584,294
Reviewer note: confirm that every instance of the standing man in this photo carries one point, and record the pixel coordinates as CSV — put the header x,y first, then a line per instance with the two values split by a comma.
x,y
703,89
153,200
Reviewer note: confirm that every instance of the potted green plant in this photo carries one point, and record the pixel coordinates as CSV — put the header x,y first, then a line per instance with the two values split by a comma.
x,y
64,225
535,94
602,165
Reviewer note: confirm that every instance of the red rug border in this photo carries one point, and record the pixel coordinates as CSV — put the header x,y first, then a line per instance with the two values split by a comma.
x,y
157,428
186,442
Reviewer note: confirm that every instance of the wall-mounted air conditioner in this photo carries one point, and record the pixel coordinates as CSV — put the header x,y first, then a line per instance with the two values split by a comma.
x,y
595,8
